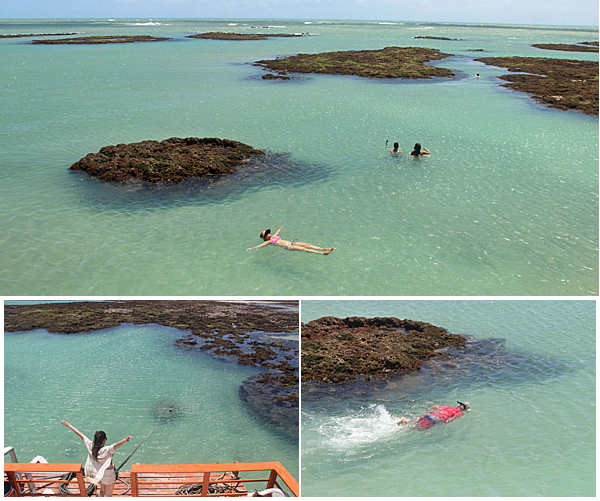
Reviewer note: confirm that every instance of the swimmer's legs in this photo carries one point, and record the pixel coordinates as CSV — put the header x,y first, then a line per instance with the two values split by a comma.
x,y
297,247
310,246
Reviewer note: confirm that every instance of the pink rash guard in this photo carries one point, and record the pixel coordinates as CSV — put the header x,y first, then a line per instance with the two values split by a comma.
x,y
442,414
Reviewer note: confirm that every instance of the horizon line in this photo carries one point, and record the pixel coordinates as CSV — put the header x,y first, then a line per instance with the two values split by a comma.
x,y
306,19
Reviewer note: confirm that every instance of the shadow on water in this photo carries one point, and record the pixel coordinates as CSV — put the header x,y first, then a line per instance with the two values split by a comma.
x,y
271,169
167,410
481,363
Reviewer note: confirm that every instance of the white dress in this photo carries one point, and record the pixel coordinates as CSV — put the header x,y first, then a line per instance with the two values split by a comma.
x,y
98,471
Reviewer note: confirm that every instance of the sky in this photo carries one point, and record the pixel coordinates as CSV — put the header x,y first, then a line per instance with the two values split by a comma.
x,y
560,12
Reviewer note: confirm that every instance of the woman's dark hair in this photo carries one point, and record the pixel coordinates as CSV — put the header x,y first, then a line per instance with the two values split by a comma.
x,y
264,234
395,146
99,438
417,150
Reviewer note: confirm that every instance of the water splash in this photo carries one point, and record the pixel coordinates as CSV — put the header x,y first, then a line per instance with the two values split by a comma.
x,y
367,426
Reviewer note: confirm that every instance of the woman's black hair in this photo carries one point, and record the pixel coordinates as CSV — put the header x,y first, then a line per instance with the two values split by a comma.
x,y
462,406
99,438
396,146
263,234
416,150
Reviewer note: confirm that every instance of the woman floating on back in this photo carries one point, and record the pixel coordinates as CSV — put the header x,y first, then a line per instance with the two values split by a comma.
x,y
286,244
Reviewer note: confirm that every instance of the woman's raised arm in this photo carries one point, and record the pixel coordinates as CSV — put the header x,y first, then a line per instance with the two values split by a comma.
x,y
77,432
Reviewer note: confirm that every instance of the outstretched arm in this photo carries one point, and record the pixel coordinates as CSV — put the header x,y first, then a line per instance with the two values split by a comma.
x,y
122,442
257,246
425,151
77,432
277,232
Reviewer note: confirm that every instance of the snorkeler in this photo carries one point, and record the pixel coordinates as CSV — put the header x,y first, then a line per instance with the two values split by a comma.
x,y
437,414
286,244
418,151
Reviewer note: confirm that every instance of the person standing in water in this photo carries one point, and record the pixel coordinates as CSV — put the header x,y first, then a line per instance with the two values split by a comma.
x,y
99,466
418,151
286,244
437,414
395,150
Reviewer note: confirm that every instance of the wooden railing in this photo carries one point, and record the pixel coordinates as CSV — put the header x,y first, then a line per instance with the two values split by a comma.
x,y
221,479
32,471
146,477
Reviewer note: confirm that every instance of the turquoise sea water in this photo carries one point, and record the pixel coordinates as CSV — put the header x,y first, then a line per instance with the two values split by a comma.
x,y
531,431
121,381
505,205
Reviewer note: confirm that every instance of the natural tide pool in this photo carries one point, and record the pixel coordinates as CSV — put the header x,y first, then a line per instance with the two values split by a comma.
x,y
531,431
505,205
122,381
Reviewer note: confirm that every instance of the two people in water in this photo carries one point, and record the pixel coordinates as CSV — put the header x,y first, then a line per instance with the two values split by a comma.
x,y
418,150
275,239
99,467
437,414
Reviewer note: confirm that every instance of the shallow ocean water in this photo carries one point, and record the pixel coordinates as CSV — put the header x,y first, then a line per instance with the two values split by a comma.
x,y
531,431
505,205
124,381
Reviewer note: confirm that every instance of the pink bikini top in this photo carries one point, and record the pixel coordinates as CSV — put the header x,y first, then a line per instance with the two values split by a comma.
x,y
275,239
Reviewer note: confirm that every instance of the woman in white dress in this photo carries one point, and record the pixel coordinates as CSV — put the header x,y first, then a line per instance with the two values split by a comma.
x,y
99,467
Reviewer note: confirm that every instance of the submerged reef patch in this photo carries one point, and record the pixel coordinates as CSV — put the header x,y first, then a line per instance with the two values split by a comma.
x,y
566,84
391,62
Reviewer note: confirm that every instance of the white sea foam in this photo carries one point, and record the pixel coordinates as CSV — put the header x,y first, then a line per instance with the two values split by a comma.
x,y
370,425
150,23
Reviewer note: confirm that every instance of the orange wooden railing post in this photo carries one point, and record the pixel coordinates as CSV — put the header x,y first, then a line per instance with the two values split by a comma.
x,y
205,484
133,484
13,481
81,483
272,479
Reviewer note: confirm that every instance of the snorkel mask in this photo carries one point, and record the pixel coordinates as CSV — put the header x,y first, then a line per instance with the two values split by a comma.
x,y
464,406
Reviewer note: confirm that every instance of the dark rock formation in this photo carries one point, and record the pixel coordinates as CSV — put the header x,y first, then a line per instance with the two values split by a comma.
x,y
566,84
220,35
583,47
36,35
239,332
439,38
391,62
170,161
336,350
274,398
281,75
102,40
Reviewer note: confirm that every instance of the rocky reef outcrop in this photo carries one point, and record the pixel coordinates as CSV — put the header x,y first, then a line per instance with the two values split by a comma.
x,y
221,35
336,350
170,161
100,40
391,62
581,47
566,84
